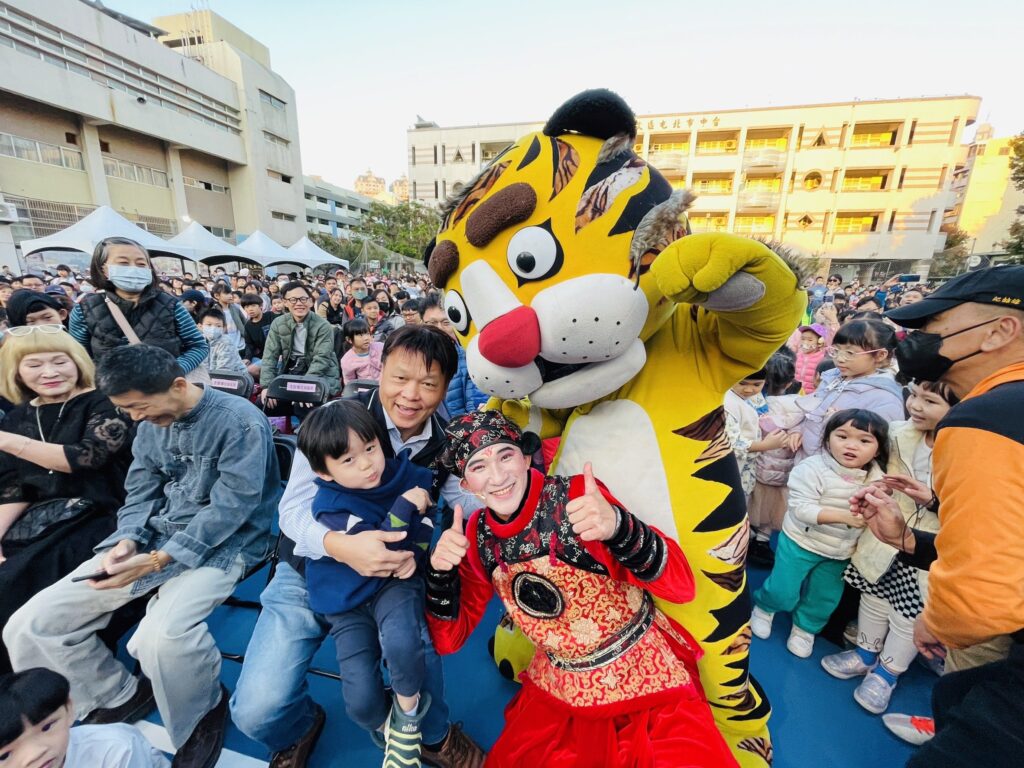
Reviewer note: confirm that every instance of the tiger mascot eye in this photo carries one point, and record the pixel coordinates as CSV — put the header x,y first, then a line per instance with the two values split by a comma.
x,y
589,312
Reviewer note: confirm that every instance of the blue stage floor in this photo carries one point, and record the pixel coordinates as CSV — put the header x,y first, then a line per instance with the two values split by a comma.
x,y
816,723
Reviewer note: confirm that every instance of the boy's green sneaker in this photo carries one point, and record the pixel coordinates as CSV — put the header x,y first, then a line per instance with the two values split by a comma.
x,y
403,736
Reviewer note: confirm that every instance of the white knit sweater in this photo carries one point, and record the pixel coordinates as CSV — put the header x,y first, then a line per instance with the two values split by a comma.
x,y
821,481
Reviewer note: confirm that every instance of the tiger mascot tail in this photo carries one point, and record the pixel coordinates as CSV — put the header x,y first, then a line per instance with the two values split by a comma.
x,y
588,310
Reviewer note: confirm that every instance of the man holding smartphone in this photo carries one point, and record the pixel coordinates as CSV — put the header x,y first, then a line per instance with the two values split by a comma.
x,y
200,496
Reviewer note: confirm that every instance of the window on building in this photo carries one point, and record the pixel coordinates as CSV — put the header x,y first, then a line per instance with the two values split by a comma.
x,y
1004,150
273,138
860,181
709,222
310,220
271,100
820,141
308,196
71,138
805,222
713,186
278,176
72,159
280,215
104,146
763,183
855,223
25,149
762,225
812,181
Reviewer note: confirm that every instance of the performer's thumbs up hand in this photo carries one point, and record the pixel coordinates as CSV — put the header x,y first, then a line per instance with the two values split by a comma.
x,y
451,547
592,517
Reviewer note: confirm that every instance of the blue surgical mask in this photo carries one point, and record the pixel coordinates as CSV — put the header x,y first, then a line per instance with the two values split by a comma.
x,y
130,279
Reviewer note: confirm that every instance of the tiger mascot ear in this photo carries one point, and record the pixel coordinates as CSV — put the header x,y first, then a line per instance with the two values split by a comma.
x,y
598,112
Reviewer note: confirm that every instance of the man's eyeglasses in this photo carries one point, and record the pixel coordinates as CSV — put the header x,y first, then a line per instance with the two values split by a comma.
x,y
25,330
842,355
298,300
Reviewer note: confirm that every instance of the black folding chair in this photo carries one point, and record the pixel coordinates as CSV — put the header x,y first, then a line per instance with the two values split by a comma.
x,y
232,383
356,386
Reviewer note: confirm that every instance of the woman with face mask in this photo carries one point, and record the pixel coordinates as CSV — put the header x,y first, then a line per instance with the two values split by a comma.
x,y
129,295
388,319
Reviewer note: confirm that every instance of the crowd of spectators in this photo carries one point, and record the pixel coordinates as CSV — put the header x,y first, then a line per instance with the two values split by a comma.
x,y
135,493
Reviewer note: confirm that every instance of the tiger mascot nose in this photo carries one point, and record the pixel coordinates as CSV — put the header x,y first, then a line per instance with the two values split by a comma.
x,y
511,340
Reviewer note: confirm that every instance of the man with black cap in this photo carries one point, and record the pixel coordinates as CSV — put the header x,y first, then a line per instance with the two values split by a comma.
x,y
970,334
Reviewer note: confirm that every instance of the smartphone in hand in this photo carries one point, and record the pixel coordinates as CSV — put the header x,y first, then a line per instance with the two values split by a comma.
x,y
98,576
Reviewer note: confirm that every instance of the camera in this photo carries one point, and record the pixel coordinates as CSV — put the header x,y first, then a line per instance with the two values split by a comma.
x,y
140,99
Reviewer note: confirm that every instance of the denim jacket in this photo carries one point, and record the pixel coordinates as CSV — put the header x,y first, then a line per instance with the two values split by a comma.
x,y
204,489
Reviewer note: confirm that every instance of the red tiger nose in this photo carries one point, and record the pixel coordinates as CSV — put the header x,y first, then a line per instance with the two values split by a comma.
x,y
512,340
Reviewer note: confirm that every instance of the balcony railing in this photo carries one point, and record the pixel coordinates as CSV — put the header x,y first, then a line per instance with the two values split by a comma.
x,y
759,199
764,160
668,161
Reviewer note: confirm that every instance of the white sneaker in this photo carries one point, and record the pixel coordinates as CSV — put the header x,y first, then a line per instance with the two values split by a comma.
x,y
800,643
911,728
761,623
846,665
874,693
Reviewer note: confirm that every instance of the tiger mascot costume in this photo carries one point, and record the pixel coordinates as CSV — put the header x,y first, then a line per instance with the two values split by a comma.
x,y
589,311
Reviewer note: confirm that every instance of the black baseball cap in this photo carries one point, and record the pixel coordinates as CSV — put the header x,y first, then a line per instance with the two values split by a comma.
x,y
998,286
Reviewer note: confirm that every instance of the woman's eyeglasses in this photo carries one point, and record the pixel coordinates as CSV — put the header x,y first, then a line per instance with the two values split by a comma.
x,y
25,330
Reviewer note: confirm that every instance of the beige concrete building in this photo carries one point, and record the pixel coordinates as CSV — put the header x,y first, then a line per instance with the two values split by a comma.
x,y
369,185
400,189
986,199
863,185
333,210
167,124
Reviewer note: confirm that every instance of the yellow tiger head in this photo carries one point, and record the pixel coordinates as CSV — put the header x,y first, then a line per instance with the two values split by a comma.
x,y
544,258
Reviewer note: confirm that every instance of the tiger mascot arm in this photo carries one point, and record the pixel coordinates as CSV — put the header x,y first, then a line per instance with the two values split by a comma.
x,y
744,301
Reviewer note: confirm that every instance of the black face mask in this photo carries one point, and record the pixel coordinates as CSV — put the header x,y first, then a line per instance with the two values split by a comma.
x,y
918,355
385,308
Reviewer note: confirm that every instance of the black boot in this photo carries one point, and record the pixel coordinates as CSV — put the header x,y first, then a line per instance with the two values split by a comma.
x,y
203,748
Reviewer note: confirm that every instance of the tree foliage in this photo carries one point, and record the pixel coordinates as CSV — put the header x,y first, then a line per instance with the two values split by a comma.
x,y
1014,244
1017,162
336,246
405,228
952,260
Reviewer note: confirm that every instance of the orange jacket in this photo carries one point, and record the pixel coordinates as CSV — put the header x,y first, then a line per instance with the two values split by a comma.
x,y
976,586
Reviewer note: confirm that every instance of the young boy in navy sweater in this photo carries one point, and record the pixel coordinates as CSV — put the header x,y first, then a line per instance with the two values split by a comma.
x,y
359,489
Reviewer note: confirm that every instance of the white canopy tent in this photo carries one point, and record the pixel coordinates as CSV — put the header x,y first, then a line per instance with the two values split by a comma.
x,y
264,250
102,223
205,245
309,254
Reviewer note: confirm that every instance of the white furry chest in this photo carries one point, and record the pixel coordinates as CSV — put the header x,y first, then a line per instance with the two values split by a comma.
x,y
618,438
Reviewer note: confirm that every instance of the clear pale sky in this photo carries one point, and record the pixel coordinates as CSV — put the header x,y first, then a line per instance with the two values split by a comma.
x,y
362,70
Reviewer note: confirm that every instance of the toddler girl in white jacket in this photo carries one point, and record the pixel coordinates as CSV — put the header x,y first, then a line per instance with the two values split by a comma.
x,y
819,533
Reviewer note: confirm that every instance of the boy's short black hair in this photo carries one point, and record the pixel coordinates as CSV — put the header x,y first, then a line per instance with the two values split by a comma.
x,y
325,432
137,368
220,287
32,695
354,327
213,312
250,299
412,305
432,344
291,286
826,364
758,375
431,301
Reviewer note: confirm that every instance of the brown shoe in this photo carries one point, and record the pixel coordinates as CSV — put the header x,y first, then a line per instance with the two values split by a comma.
x,y
457,751
136,708
298,753
203,748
